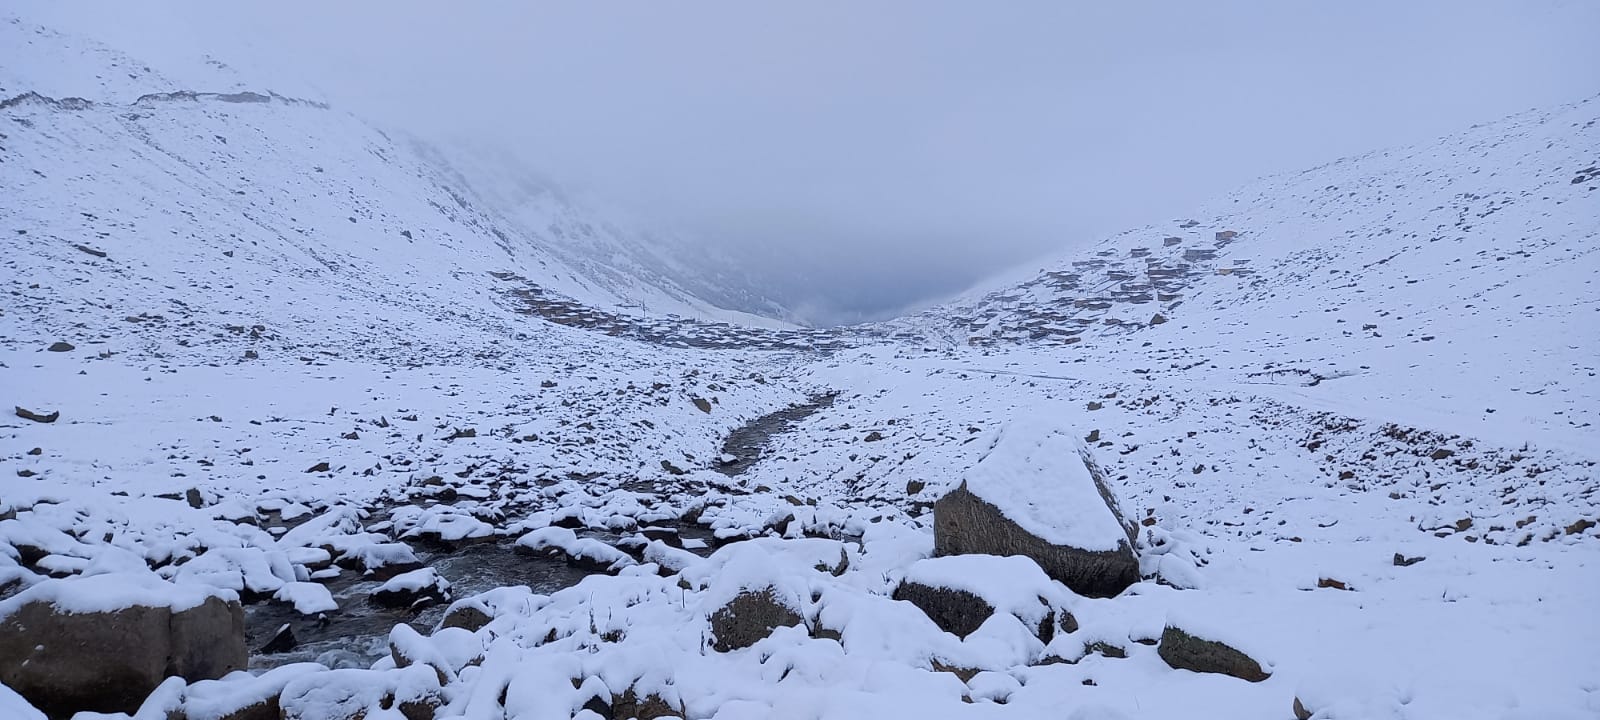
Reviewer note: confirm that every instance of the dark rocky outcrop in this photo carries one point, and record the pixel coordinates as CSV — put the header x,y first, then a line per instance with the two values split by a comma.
x,y
748,617
1184,651
957,612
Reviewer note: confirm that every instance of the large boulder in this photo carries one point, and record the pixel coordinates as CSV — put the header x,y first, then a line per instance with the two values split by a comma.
x,y
355,694
1037,493
960,593
103,643
755,587
750,616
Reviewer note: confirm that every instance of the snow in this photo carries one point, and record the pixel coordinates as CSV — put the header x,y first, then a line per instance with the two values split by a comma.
x,y
1035,473
575,548
308,598
1262,439
110,592
414,581
15,706
1012,584
216,699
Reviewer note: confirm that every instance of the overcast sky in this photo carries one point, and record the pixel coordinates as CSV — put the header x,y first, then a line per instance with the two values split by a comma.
x,y
870,155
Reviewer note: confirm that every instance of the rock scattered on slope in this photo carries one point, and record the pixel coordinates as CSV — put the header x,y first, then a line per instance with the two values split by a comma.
x,y
27,414
1403,561
1184,651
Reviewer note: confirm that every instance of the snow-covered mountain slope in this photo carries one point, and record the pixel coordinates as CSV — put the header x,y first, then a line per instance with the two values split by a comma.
x,y
602,245
268,185
297,359
1465,267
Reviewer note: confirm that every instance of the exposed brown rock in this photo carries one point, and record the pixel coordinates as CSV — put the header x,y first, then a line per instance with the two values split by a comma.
x,y
964,523
749,617
1184,651
110,661
27,414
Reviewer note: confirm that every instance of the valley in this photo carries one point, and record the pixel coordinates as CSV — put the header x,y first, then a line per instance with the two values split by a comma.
x,y
1348,418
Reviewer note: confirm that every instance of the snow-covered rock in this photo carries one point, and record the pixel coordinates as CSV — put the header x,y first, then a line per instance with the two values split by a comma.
x,y
1037,493
105,642
351,694
414,590
961,592
1201,651
749,617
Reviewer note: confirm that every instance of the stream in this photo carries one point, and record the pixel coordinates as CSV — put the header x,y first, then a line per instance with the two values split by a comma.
x,y
748,443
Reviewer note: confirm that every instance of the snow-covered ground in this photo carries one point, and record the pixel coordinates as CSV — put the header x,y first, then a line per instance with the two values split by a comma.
x,y
295,365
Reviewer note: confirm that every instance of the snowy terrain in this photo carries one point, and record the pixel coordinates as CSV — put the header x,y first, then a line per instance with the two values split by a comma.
x,y
1353,412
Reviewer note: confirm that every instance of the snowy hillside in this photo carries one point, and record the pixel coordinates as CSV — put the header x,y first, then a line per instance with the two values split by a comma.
x,y
1465,266
606,247
319,428
272,185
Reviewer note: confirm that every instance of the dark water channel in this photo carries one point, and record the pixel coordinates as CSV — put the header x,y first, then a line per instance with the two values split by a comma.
x,y
357,633
747,444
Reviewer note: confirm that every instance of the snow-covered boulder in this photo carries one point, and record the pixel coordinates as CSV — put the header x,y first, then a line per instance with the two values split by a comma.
x,y
1197,650
749,617
583,553
753,588
103,643
469,614
240,696
959,593
352,694
1037,493
308,598
370,554
415,590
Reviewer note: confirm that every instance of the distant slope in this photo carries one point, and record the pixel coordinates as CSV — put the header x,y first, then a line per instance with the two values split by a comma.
x,y
617,253
237,201
1464,268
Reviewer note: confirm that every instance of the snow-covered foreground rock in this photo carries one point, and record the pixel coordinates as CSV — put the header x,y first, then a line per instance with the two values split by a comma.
x,y
1359,466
